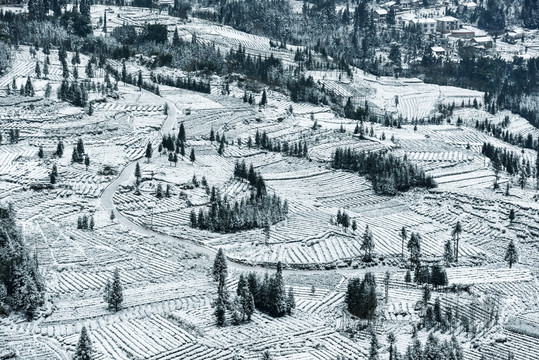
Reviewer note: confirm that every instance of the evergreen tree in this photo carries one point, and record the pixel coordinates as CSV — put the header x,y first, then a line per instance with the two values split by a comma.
x,y
29,88
414,247
264,99
60,148
84,346
368,244
115,297
457,230
181,133
290,301
105,22
404,235
512,215
511,254
277,293
219,265
38,70
149,151
40,152
192,156
448,253
373,351
138,172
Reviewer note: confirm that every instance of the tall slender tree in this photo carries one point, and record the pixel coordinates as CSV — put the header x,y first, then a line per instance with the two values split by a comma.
x,y
457,230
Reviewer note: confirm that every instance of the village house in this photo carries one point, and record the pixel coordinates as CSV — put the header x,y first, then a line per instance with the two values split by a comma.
x,y
438,51
427,26
447,24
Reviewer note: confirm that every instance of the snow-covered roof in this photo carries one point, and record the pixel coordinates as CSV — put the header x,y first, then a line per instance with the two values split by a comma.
x,y
437,49
482,39
447,18
389,4
470,4
381,11
424,21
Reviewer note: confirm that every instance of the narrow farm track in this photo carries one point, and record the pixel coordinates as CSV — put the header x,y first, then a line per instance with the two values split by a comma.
x,y
106,199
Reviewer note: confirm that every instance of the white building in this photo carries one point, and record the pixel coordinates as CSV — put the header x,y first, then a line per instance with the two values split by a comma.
x,y
447,24
438,51
427,26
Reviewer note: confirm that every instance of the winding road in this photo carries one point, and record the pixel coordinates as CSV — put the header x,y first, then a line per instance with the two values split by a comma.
x,y
107,203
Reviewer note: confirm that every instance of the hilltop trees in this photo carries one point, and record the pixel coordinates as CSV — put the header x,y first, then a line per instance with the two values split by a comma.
x,y
361,296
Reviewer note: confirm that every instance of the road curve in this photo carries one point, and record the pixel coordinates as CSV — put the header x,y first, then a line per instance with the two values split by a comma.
x,y
107,203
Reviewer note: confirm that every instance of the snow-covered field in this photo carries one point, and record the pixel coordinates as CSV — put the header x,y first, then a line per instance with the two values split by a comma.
x,y
165,263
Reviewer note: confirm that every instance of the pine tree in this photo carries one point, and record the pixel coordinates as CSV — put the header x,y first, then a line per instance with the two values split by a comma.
x,y
38,70
115,297
457,230
212,135
290,301
87,161
84,346
511,254
149,151
414,247
29,88
404,235
264,99
512,215
192,156
40,152
60,148
373,351
105,23
181,133
138,173
448,253
219,265
368,244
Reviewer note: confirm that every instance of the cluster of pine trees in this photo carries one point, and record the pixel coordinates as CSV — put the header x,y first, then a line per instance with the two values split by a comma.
x,y
254,178
504,159
21,285
78,154
270,295
74,93
182,83
434,275
85,222
133,79
361,298
242,306
249,213
268,69
263,141
497,130
388,173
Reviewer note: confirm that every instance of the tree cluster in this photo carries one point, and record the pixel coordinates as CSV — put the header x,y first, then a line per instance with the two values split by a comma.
x,y
85,222
361,298
270,294
21,285
388,173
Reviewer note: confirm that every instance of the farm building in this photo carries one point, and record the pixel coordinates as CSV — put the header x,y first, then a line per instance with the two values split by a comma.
x,y
380,14
463,33
389,4
447,24
427,26
467,6
485,41
438,51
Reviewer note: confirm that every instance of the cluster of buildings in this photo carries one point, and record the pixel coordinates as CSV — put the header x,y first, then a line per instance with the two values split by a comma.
x,y
448,29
